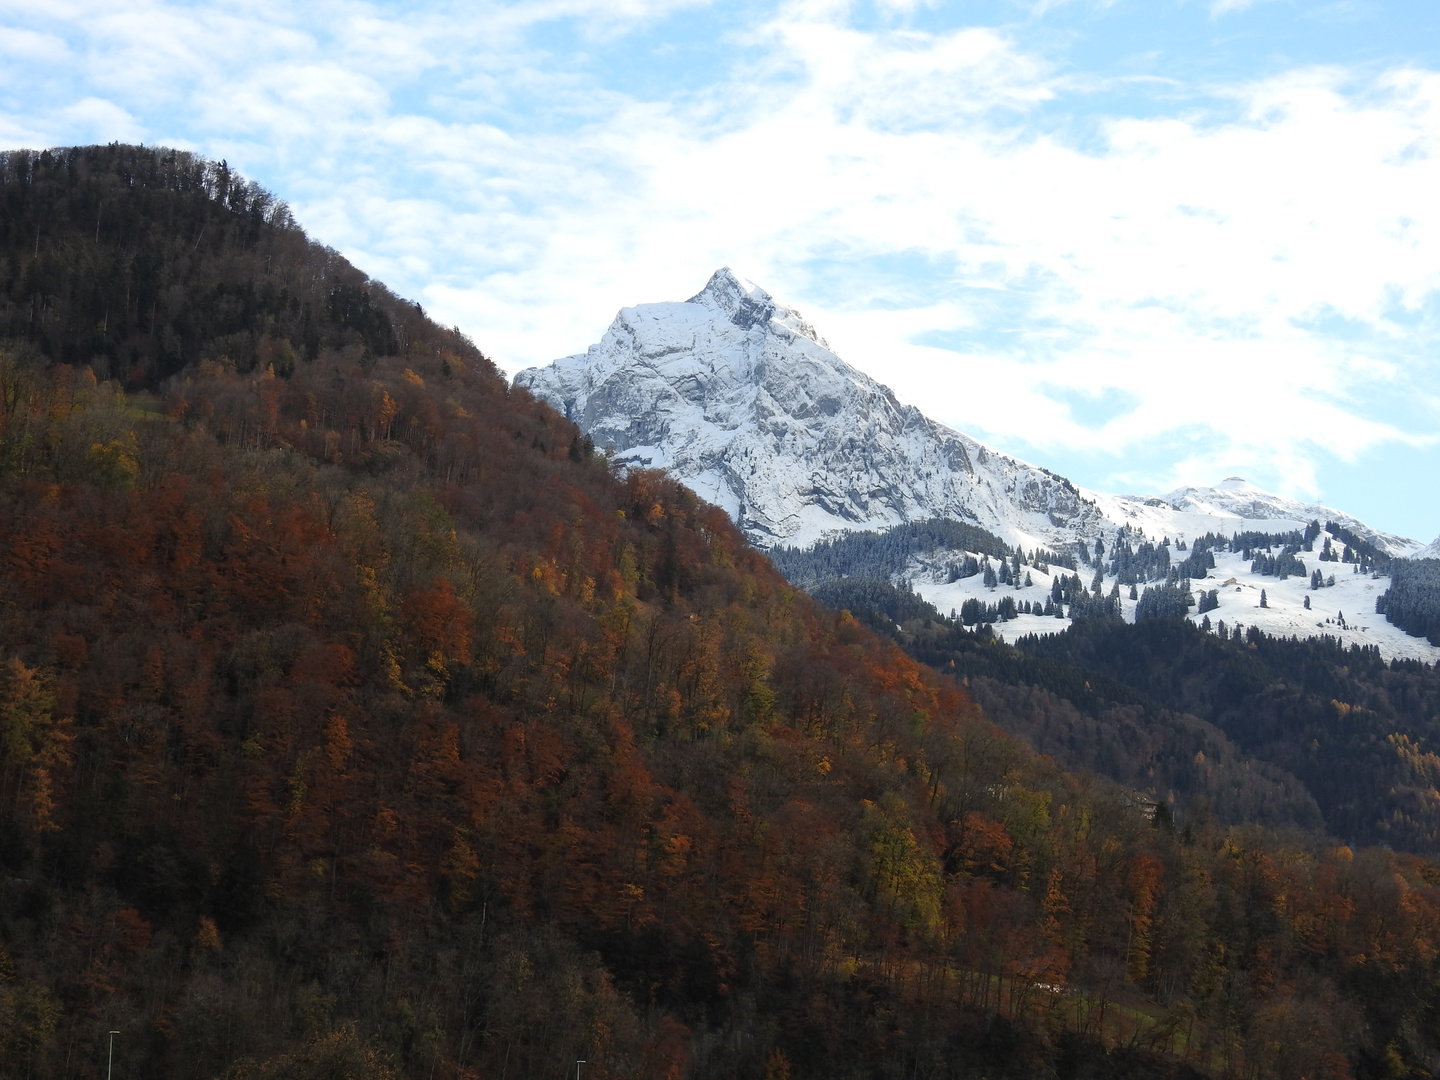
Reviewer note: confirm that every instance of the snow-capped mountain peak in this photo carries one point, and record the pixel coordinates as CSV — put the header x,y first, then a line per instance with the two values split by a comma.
x,y
746,304
738,396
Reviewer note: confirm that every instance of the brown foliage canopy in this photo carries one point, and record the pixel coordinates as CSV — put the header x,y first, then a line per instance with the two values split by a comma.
x,y
360,720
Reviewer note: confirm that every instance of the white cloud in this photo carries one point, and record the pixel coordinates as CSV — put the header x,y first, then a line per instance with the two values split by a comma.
x,y
28,46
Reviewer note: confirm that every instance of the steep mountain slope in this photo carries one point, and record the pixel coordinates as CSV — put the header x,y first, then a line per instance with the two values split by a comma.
x,y
741,399
356,720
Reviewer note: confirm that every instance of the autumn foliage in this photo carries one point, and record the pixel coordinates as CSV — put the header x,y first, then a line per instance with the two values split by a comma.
x,y
361,720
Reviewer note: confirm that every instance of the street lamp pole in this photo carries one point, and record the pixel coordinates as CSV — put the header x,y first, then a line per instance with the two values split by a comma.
x,y
110,1065
578,1063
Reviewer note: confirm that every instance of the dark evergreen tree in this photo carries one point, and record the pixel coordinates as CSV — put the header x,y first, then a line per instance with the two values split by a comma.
x,y
1284,565
1134,565
1163,602
1358,550
1413,600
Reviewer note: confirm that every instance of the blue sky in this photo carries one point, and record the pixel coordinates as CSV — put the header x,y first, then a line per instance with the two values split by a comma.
x,y
1140,243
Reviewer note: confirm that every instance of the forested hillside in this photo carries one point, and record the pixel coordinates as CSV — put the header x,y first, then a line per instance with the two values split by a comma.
x,y
356,720
1268,730
1088,720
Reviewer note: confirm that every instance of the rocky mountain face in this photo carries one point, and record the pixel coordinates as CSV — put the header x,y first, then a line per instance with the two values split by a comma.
x,y
739,397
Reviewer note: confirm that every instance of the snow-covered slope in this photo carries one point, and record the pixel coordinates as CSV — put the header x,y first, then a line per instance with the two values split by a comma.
x,y
741,399
1431,551
1244,500
1345,610
1234,505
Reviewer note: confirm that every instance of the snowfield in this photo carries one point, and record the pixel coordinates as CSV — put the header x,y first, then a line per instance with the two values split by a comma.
x,y
1345,611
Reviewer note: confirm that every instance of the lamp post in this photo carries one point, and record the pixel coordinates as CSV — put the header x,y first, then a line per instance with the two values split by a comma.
x,y
110,1065
578,1063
